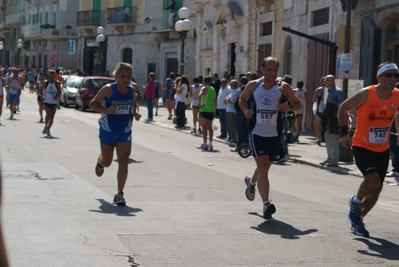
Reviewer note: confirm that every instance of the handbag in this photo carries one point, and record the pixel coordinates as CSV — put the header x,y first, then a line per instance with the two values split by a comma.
x,y
289,138
187,100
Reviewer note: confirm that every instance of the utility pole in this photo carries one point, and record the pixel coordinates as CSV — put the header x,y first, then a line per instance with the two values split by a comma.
x,y
347,6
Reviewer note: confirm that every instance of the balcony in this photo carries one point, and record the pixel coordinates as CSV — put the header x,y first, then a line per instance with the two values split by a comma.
x,y
121,18
88,21
32,31
15,19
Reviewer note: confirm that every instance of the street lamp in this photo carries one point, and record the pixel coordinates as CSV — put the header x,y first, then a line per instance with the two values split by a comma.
x,y
100,40
1,50
19,46
183,26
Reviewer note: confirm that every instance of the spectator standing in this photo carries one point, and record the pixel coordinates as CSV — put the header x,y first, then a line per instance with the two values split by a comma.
x,y
207,104
169,96
149,96
180,97
318,99
221,107
172,10
241,121
230,114
303,97
195,90
330,121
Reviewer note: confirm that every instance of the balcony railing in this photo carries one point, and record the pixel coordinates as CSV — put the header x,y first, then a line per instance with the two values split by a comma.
x,y
16,18
90,18
35,30
121,15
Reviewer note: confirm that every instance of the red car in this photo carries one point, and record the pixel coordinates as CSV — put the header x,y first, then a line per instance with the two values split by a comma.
x,y
88,88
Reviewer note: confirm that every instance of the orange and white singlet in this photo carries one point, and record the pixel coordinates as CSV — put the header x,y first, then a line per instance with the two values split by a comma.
x,y
373,121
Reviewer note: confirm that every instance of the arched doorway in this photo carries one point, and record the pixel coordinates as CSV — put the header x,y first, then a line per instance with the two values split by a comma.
x,y
127,55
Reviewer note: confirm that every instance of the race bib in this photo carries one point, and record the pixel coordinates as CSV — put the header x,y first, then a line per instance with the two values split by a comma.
x,y
266,116
122,107
378,134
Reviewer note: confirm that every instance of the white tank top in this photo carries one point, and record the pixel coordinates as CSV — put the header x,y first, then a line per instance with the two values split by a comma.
x,y
50,92
301,96
267,101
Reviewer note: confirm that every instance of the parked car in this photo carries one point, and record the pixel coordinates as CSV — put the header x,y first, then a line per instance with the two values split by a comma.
x,y
88,88
69,90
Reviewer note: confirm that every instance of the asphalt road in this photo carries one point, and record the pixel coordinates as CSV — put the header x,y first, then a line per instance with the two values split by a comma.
x,y
184,207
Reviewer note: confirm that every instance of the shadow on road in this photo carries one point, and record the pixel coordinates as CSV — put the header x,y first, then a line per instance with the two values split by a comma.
x,y
276,227
381,248
130,161
108,208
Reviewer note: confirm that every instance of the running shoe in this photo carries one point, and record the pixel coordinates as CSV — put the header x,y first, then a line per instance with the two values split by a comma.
x,y
268,210
99,170
203,146
354,212
11,116
359,229
48,133
44,130
119,200
210,147
250,191
41,120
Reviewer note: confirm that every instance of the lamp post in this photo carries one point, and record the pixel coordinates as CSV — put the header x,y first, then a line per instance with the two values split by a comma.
x,y
1,52
183,26
100,40
19,47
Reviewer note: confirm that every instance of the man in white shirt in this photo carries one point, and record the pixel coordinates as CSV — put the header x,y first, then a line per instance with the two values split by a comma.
x,y
221,107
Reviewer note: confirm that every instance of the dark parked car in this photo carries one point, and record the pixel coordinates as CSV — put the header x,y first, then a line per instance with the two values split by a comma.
x,y
69,90
88,88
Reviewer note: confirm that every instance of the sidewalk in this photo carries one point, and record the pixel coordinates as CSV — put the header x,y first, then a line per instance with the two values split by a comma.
x,y
304,152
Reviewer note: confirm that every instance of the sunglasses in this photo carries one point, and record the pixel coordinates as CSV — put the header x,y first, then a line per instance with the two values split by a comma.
x,y
389,75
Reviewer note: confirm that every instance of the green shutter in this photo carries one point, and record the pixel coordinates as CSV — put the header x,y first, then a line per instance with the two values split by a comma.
x,y
40,18
96,12
29,19
127,3
46,17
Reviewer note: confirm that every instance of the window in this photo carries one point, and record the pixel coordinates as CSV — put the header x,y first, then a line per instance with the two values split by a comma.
x,y
55,18
266,28
320,17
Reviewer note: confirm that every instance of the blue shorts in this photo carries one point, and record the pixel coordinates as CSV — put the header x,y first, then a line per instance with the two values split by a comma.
x,y
262,146
319,114
156,94
111,139
13,98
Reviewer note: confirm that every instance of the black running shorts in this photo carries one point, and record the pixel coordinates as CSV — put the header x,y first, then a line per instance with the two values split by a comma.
x,y
369,161
264,145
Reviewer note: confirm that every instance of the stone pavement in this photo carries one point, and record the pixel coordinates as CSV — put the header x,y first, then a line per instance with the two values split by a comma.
x,y
304,152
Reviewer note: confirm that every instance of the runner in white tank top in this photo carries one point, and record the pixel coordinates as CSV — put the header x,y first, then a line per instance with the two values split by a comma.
x,y
51,90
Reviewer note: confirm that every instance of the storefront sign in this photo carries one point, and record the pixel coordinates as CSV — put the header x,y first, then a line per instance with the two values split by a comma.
x,y
92,43
380,4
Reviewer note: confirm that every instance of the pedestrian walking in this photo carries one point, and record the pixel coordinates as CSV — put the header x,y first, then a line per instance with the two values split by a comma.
x,y
376,107
115,102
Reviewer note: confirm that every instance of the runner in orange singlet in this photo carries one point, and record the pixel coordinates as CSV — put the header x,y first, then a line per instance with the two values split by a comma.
x,y
376,107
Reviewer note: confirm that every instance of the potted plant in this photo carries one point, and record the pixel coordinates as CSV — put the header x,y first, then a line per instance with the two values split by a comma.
x,y
68,27
52,26
55,32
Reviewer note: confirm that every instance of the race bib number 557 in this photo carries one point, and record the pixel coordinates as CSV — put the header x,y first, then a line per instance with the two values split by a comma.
x,y
266,116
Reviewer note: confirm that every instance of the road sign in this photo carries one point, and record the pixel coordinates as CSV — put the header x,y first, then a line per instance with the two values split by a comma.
x,y
53,58
343,66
